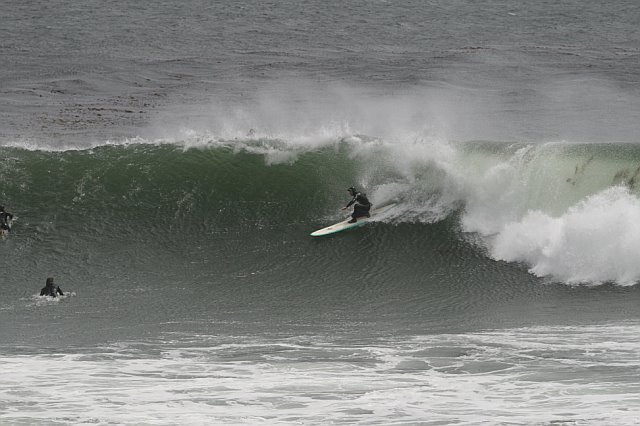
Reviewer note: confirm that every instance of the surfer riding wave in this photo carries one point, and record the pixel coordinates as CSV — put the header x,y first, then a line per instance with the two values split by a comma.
x,y
361,207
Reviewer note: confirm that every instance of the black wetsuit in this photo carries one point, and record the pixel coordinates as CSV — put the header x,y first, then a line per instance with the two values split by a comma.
x,y
51,290
362,206
5,217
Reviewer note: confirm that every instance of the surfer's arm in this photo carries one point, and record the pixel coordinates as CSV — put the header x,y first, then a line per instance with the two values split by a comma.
x,y
59,291
350,203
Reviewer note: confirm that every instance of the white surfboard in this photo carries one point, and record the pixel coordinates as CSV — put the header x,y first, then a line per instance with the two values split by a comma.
x,y
344,225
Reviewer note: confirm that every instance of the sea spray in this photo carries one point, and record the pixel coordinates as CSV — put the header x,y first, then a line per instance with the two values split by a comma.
x,y
595,241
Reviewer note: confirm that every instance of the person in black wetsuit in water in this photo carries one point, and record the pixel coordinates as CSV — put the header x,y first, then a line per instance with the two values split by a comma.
x,y
5,218
51,289
362,205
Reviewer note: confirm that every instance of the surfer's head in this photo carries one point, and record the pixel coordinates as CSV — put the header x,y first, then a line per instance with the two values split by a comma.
x,y
352,190
1,208
50,281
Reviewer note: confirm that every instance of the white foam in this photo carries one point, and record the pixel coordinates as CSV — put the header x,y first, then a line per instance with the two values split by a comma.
x,y
557,214
596,240
37,300
521,376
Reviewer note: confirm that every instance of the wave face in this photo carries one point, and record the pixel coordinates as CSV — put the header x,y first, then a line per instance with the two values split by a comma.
x,y
568,212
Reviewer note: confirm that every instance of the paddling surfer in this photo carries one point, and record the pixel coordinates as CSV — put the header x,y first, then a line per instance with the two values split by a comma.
x,y
5,221
50,289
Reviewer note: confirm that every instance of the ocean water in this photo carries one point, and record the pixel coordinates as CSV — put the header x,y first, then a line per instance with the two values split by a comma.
x,y
166,163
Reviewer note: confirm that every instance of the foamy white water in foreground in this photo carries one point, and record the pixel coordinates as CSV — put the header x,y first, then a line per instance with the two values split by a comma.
x,y
579,375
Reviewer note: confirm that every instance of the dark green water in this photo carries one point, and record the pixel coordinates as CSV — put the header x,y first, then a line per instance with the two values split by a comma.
x,y
147,235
